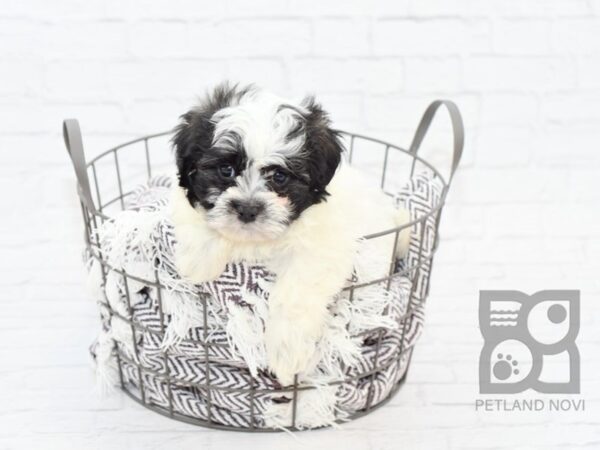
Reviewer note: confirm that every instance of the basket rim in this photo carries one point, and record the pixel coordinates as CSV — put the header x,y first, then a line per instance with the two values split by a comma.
x,y
98,212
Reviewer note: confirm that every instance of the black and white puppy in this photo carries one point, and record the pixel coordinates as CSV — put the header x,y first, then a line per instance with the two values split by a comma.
x,y
260,180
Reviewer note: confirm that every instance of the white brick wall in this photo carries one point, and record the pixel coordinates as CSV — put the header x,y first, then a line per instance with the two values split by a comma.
x,y
523,213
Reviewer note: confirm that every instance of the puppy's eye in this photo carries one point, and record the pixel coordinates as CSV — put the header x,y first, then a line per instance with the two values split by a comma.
x,y
227,171
280,178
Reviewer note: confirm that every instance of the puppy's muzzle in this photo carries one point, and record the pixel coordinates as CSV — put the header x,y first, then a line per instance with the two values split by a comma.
x,y
247,211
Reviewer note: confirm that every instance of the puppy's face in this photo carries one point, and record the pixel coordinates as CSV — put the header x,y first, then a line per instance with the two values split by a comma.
x,y
253,163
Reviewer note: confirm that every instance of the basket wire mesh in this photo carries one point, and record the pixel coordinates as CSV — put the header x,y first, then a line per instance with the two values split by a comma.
x,y
95,211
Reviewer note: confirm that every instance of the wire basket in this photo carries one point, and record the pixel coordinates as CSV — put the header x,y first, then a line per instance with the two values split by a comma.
x,y
115,170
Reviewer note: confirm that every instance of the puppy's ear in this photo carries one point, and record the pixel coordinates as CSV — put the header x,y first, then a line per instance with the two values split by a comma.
x,y
184,142
195,131
323,146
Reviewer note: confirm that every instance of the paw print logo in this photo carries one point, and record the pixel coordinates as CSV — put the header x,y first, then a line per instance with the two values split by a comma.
x,y
505,366
529,342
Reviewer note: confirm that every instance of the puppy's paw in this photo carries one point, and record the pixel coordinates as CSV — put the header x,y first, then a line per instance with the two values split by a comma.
x,y
199,264
291,347
203,272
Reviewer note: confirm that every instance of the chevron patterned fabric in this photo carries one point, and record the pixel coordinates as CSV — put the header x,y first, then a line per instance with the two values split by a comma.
x,y
195,351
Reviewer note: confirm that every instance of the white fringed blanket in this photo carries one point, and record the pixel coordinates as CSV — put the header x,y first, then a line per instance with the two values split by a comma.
x,y
171,326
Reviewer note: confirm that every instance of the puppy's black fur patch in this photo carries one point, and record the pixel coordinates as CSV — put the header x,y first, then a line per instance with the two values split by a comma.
x,y
195,156
323,147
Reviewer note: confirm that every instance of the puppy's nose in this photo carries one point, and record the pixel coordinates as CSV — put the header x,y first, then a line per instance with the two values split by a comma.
x,y
247,211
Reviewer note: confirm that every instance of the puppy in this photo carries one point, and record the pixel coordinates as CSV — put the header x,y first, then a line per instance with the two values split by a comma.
x,y
261,180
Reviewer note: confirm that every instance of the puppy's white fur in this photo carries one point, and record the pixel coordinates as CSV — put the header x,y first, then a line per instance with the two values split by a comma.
x,y
312,259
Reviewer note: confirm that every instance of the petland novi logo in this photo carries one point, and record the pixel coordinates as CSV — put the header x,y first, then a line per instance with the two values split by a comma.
x,y
529,343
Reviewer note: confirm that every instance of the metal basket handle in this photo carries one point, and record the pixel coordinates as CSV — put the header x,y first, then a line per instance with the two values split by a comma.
x,y
74,144
458,131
